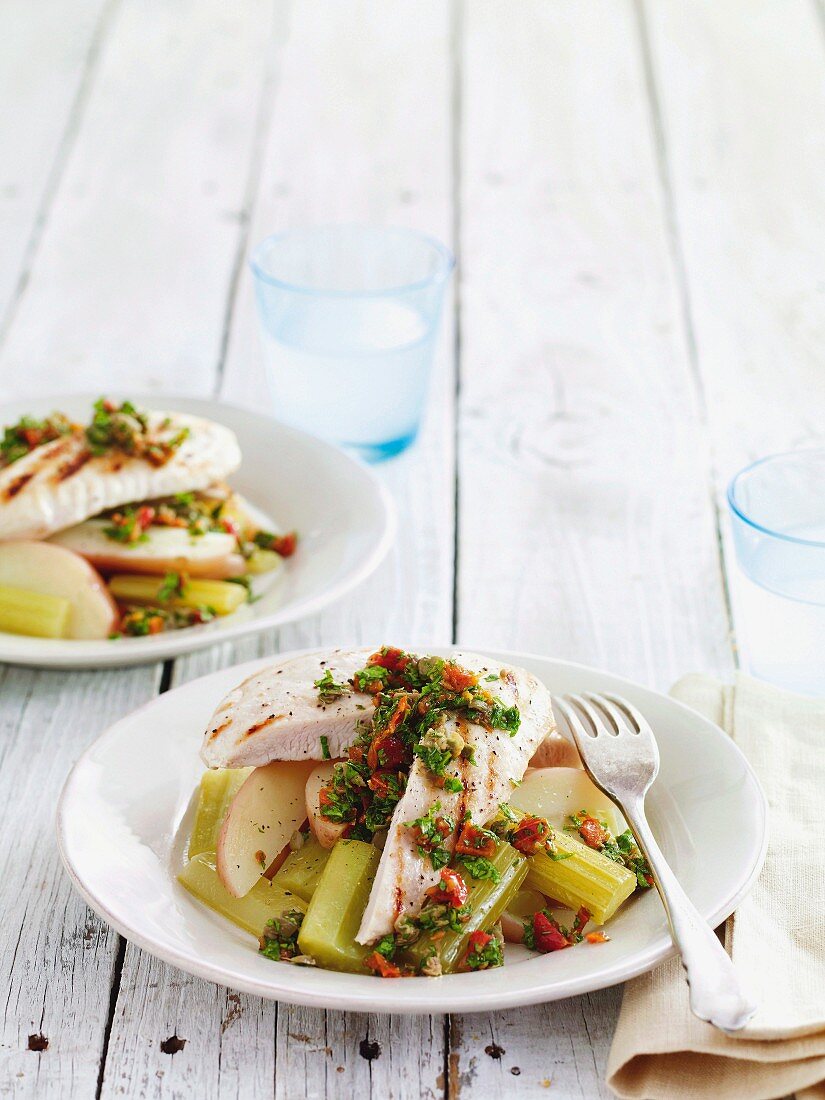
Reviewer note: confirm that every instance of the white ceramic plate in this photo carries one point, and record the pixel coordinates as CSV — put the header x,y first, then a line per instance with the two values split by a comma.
x,y
344,516
119,831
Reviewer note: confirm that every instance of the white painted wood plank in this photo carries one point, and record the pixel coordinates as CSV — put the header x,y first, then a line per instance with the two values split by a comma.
x,y
742,98
402,120
56,960
586,523
131,276
47,57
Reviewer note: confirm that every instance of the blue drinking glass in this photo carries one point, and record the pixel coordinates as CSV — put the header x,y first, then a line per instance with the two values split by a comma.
x,y
777,508
349,318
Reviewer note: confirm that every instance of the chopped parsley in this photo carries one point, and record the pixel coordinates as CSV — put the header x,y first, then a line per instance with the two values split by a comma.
x,y
325,753
480,867
171,587
280,936
431,832
125,428
328,690
21,438
485,951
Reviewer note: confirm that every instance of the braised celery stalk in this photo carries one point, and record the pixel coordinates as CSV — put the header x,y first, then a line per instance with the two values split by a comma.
x,y
264,901
223,597
217,789
301,870
486,901
263,561
580,876
334,914
34,613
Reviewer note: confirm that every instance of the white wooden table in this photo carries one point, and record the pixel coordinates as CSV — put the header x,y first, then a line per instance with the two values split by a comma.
x,y
635,197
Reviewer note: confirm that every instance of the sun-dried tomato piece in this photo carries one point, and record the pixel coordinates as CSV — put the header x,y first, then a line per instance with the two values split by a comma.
x,y
285,545
530,834
593,833
381,966
473,841
547,934
390,658
451,889
457,679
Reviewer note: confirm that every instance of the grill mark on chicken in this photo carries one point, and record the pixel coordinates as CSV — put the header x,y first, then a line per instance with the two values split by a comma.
x,y
218,730
68,469
19,483
261,725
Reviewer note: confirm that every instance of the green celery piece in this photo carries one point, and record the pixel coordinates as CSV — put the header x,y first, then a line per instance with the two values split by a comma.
x,y
264,901
217,790
301,871
334,914
584,878
487,901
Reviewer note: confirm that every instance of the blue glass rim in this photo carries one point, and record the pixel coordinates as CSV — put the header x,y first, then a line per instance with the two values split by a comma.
x,y
737,510
441,275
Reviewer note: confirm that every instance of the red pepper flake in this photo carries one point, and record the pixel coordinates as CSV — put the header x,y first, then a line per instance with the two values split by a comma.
x,y
473,841
457,679
597,937
381,966
451,889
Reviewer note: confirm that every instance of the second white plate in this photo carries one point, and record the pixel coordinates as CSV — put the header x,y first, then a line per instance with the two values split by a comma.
x,y
344,517
119,831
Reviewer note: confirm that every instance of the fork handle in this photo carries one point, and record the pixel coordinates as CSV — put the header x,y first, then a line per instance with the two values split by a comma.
x,y
715,993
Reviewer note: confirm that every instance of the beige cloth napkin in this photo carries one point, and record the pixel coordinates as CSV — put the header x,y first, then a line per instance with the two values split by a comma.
x,y
776,937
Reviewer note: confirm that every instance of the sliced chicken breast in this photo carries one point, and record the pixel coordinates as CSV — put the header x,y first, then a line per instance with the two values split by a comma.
x,y
403,874
276,714
60,484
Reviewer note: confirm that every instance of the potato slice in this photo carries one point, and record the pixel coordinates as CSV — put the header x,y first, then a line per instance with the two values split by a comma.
x,y
553,793
53,571
265,813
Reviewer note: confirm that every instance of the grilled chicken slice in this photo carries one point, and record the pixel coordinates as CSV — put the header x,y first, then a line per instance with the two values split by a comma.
x,y
60,484
276,713
404,874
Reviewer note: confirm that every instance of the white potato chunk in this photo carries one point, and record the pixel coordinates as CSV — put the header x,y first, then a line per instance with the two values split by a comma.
x,y
554,793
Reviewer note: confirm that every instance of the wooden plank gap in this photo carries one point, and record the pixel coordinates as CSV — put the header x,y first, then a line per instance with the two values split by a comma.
x,y
671,218
263,121
674,241
114,991
58,167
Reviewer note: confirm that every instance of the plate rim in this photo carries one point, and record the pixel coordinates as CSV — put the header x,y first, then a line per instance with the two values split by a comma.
x,y
658,951
79,654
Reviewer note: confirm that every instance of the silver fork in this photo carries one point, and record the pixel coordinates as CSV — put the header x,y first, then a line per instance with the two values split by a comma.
x,y
619,752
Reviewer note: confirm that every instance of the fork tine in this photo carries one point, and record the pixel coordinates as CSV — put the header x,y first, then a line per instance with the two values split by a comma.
x,y
573,721
591,713
614,713
598,701
642,726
